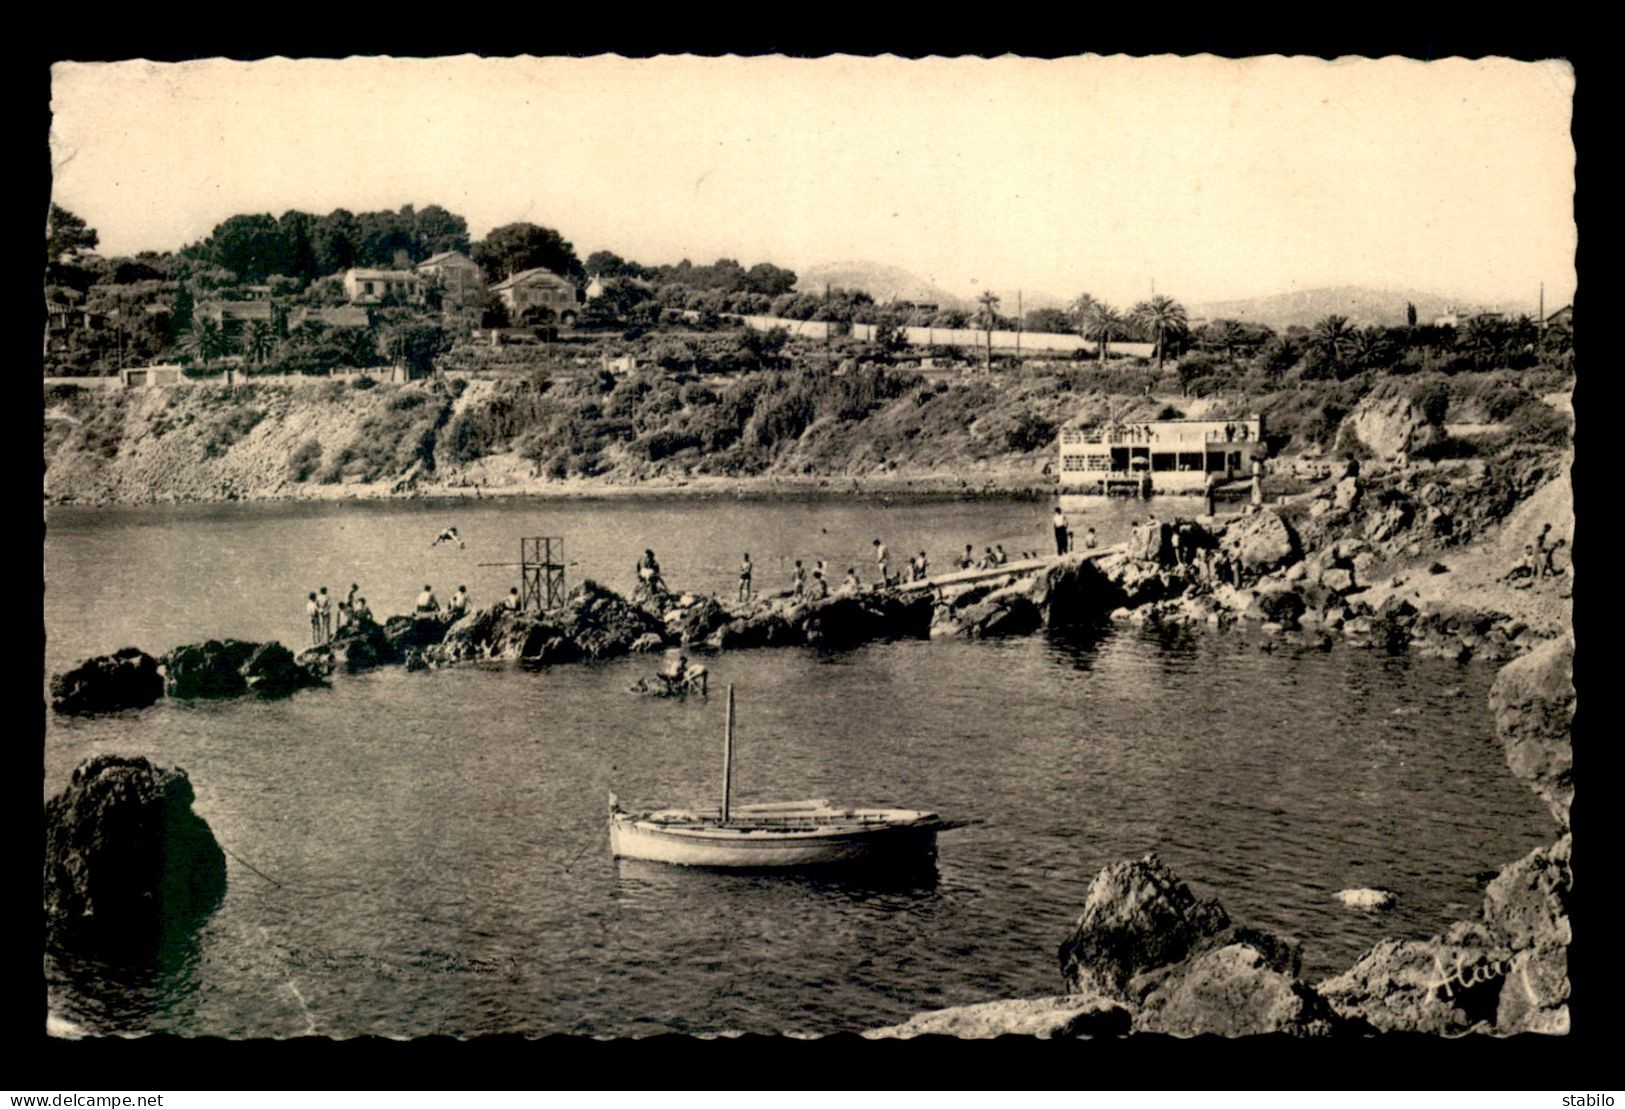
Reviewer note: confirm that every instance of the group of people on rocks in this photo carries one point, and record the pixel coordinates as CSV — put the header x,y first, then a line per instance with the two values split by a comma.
x,y
1537,561
429,605
319,609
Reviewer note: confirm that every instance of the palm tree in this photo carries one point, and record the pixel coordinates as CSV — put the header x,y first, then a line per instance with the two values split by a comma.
x,y
1102,322
1368,347
1332,338
1231,333
987,317
257,341
1161,317
206,341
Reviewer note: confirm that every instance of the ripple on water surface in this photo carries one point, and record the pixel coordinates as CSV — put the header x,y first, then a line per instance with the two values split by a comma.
x,y
439,838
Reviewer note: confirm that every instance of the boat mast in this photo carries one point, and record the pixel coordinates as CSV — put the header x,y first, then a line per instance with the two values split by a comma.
x,y
728,756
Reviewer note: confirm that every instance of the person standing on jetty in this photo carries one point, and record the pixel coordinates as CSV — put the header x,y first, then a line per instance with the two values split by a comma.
x,y
880,562
1208,483
744,577
427,605
348,607
798,581
314,611
324,607
1059,522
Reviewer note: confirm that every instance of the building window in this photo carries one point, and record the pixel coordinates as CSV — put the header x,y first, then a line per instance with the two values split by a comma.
x,y
1162,462
1190,461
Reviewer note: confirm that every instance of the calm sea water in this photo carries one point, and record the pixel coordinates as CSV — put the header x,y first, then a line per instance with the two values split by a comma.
x,y
427,853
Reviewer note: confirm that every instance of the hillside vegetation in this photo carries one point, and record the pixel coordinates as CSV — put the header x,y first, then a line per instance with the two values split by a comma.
x,y
328,438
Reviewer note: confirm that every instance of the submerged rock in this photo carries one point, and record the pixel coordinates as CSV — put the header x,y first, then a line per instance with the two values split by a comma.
x,y
128,864
1367,898
126,679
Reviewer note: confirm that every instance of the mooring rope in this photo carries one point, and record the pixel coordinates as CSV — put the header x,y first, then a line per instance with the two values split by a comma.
x,y
248,864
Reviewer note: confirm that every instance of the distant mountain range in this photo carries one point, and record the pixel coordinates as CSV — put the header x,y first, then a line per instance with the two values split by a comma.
x,y
1362,306
883,282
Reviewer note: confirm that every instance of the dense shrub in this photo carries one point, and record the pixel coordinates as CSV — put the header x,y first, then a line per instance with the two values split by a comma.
x,y
304,459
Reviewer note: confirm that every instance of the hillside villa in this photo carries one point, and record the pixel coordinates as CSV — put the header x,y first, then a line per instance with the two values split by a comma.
x,y
455,271
530,290
371,286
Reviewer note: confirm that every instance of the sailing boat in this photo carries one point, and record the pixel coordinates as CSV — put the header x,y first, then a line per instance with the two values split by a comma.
x,y
774,835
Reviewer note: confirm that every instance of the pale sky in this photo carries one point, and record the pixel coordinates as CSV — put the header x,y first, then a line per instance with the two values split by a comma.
x,y
1213,178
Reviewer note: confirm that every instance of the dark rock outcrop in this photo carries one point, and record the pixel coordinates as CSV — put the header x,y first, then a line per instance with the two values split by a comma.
x,y
1447,985
127,679
211,669
272,671
603,624
406,632
128,865
1263,541
846,621
1137,917
1533,699
1235,990
774,627
697,622
232,667
363,646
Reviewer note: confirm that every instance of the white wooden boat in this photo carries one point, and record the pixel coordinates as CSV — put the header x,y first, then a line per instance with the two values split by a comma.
x,y
775,835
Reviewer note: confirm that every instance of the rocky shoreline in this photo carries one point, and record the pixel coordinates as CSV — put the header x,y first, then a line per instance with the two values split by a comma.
x,y
1148,955
1303,575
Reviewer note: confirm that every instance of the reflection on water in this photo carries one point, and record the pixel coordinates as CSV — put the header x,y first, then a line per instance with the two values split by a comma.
x,y
432,847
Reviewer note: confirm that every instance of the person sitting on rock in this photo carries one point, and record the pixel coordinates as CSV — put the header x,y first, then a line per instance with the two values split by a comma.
x,y
969,560
921,568
359,612
820,587
1525,567
511,602
458,605
427,605
851,584
999,557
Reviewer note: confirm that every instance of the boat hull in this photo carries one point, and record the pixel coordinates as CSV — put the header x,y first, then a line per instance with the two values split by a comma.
x,y
771,849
